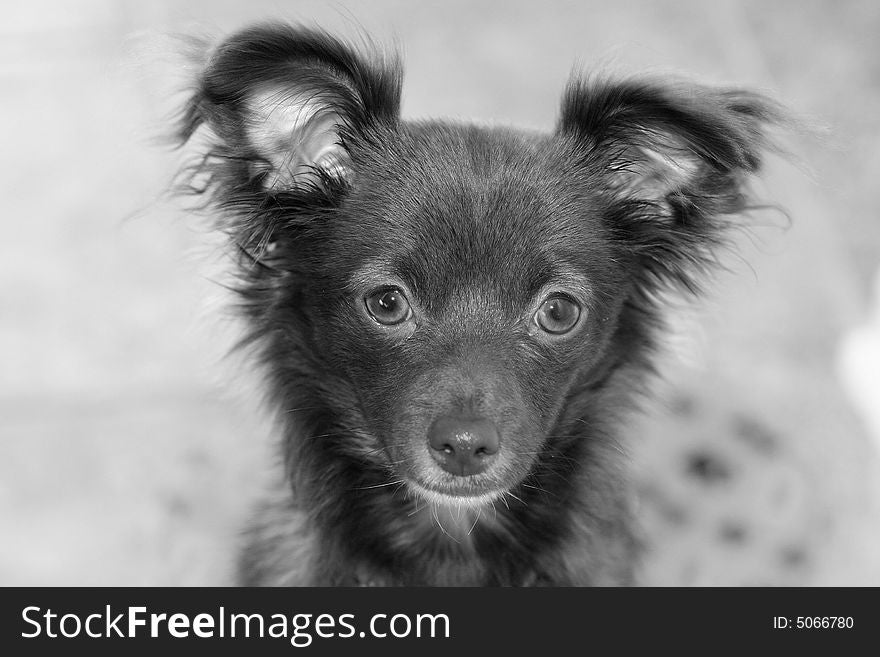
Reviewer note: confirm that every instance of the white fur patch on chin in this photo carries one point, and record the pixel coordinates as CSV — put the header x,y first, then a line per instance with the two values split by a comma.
x,y
454,501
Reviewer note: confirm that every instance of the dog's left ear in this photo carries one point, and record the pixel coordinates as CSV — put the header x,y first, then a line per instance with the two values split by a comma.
x,y
681,151
671,160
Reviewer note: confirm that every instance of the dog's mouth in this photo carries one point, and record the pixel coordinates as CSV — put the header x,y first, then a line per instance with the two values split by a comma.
x,y
455,496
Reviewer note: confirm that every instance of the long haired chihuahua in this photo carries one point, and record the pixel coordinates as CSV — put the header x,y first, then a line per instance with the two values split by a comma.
x,y
453,319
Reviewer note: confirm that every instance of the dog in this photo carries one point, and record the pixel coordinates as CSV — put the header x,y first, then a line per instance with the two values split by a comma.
x,y
453,320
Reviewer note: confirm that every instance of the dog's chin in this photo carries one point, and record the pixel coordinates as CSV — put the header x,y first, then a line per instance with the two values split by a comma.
x,y
455,497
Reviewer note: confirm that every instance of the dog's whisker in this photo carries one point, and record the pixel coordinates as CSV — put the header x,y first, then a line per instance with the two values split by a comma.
x,y
387,483
479,513
458,510
418,508
436,514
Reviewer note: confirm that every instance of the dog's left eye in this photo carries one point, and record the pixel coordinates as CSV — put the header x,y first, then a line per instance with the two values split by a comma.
x,y
557,315
388,306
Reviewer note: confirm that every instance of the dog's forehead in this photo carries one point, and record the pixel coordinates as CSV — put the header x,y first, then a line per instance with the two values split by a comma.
x,y
445,204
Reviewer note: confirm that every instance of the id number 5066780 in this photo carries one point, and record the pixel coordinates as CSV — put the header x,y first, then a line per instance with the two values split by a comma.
x,y
813,622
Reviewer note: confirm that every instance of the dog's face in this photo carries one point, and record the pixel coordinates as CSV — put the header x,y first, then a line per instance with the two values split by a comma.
x,y
469,297
456,291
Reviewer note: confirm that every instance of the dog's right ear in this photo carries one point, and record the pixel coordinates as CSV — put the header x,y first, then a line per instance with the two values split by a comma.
x,y
282,104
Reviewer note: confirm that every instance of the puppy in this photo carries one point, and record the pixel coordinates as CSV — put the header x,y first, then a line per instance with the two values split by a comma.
x,y
453,319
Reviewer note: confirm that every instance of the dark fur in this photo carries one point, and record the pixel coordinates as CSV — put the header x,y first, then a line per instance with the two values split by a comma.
x,y
631,192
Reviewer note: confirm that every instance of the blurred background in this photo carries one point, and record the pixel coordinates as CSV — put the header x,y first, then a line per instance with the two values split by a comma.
x,y
131,448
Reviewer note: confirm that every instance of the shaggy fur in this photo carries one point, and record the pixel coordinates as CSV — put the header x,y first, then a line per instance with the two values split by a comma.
x,y
331,199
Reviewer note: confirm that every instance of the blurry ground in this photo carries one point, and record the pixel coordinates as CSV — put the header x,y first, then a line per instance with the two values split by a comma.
x,y
124,460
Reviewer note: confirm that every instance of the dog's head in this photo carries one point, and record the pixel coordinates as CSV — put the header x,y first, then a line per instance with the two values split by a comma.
x,y
459,295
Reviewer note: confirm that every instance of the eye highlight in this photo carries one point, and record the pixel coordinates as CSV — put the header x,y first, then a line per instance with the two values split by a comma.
x,y
557,315
388,306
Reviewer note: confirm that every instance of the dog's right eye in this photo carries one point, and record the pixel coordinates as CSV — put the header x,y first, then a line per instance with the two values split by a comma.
x,y
388,306
557,315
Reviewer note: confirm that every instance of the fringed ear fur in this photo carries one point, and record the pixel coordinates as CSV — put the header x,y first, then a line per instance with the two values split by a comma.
x,y
281,102
673,160
675,146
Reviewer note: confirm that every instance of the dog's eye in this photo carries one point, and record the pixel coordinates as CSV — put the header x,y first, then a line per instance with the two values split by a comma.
x,y
388,307
557,315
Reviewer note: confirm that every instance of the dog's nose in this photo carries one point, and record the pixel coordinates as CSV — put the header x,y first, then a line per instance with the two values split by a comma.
x,y
463,446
